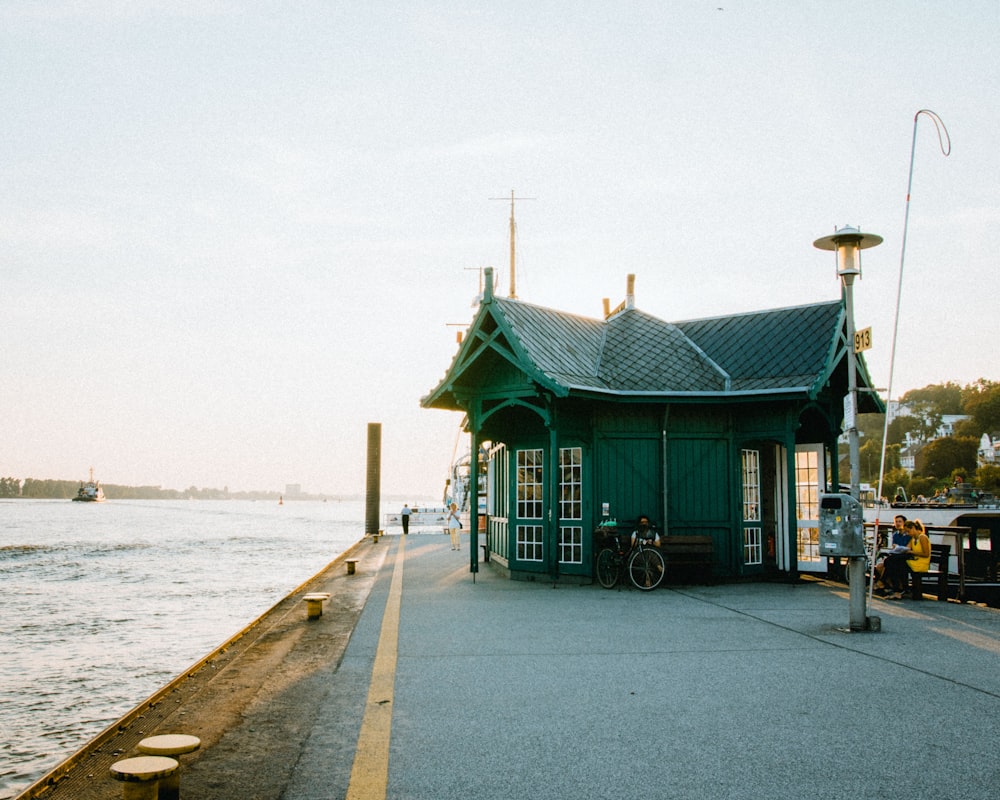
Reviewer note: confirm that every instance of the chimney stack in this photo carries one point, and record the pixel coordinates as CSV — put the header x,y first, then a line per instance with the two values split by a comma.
x,y
487,285
630,292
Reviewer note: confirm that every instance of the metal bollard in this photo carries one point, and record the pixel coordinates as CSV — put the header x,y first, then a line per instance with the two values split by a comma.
x,y
314,604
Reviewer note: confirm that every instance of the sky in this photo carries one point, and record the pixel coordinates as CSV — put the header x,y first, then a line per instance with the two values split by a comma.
x,y
233,234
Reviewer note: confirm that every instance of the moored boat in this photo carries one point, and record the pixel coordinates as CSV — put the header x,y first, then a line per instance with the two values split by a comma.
x,y
458,487
970,524
420,517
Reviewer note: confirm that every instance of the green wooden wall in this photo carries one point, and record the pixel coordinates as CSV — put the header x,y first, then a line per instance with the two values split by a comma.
x,y
700,492
628,477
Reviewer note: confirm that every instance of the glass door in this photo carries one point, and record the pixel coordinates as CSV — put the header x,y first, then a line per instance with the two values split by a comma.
x,y
571,556
809,482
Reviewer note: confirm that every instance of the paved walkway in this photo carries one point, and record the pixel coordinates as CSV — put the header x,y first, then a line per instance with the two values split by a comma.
x,y
501,689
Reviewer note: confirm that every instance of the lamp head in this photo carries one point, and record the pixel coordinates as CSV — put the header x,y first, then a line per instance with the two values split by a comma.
x,y
848,242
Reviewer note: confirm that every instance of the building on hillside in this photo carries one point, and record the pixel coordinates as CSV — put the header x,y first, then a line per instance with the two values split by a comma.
x,y
913,443
720,427
989,450
945,427
908,454
948,423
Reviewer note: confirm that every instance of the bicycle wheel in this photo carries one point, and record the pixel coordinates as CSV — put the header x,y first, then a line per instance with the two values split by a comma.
x,y
607,568
646,569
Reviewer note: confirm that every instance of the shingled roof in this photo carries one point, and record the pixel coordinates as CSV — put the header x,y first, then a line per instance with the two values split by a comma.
x,y
790,351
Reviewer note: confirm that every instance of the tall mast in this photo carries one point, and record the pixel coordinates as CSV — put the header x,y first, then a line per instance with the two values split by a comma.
x,y
513,230
513,233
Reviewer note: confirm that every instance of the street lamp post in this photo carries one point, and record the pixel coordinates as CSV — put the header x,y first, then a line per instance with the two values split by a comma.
x,y
848,243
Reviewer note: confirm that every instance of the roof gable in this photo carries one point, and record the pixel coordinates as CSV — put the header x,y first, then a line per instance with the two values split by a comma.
x,y
564,346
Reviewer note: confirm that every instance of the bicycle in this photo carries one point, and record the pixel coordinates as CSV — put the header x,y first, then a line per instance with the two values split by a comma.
x,y
643,563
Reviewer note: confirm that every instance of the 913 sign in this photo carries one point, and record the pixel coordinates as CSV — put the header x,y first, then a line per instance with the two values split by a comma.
x,y
862,340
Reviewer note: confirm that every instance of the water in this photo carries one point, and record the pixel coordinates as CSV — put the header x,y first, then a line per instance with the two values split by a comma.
x,y
102,604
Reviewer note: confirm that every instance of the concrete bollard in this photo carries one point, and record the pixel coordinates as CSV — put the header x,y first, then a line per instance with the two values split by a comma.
x,y
314,604
141,775
172,745
352,566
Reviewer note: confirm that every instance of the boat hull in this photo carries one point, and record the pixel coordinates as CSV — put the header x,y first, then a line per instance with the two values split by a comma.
x,y
935,514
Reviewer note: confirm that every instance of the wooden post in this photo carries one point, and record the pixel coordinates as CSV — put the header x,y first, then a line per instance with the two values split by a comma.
x,y
373,487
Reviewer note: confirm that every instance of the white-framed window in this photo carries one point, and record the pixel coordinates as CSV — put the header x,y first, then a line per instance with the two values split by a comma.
x,y
751,486
529,542
571,544
497,490
753,552
530,489
807,484
570,504
571,483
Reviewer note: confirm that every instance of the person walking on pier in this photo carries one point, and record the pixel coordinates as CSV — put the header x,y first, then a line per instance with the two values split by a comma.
x,y
454,526
405,516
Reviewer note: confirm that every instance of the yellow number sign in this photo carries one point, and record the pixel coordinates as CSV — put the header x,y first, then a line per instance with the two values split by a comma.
x,y
862,340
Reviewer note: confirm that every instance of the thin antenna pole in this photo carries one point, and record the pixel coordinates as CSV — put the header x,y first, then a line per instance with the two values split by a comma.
x,y
945,142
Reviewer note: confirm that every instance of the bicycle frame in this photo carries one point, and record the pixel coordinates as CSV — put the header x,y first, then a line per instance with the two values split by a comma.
x,y
644,563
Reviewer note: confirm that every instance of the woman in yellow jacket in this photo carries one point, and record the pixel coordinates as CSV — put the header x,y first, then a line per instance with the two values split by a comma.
x,y
916,558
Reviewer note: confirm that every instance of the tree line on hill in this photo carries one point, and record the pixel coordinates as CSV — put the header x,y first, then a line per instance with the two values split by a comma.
x,y
940,461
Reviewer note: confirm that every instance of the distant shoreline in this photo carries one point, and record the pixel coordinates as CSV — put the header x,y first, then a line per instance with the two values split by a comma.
x,y
50,489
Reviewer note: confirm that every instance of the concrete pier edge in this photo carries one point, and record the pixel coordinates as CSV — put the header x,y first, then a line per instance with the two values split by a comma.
x,y
70,777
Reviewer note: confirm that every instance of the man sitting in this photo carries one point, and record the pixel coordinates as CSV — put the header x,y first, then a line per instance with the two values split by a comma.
x,y
646,532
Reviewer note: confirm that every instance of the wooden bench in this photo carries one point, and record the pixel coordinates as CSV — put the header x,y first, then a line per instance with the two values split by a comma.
x,y
940,553
691,554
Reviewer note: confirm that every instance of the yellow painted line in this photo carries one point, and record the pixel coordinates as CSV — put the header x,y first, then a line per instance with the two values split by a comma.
x,y
370,772
971,638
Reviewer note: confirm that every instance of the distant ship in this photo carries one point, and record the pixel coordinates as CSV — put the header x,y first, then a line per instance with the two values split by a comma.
x,y
90,492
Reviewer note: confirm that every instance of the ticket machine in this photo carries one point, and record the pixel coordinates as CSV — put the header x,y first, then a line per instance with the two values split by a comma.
x,y
841,526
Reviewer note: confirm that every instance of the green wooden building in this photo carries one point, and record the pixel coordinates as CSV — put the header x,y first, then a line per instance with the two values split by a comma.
x,y
720,427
